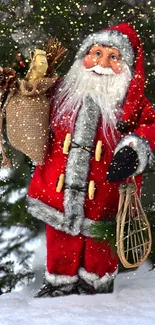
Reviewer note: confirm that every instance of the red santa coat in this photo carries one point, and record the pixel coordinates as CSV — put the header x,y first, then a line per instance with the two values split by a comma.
x,y
44,183
70,213
50,206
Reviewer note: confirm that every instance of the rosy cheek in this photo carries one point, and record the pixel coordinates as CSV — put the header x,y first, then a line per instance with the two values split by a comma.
x,y
116,67
89,61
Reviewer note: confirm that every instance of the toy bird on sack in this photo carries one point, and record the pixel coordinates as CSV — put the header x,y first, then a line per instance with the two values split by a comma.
x,y
28,127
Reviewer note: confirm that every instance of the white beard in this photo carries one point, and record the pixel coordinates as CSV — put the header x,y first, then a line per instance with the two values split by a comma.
x,y
107,90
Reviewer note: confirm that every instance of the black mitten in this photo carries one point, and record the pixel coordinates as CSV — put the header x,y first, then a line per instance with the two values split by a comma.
x,y
123,165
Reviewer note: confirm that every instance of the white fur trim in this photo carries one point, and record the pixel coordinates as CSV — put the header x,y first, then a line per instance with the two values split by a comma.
x,y
94,279
59,280
77,168
87,224
54,217
44,212
109,38
151,160
142,148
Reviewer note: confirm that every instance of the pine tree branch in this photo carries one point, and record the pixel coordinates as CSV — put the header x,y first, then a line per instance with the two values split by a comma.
x,y
4,8
14,247
139,9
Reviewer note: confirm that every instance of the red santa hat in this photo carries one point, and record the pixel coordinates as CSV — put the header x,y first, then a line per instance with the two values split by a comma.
x,y
126,39
109,37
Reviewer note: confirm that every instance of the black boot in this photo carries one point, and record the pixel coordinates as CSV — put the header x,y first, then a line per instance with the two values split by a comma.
x,y
87,289
48,290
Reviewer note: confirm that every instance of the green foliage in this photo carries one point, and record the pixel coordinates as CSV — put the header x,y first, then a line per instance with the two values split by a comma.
x,y
10,279
150,211
17,227
105,231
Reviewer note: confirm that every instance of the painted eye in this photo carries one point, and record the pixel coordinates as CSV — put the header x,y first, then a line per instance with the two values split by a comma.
x,y
98,53
113,57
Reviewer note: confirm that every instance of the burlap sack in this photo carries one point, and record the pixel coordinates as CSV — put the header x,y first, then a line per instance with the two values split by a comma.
x,y
27,118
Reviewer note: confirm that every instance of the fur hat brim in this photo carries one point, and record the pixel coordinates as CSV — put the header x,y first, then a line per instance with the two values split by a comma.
x,y
112,38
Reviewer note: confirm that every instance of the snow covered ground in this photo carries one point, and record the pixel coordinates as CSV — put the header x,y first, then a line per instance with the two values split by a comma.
x,y
132,303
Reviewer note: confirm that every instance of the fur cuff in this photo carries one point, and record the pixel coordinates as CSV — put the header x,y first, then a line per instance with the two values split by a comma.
x,y
60,280
56,219
99,283
142,148
45,213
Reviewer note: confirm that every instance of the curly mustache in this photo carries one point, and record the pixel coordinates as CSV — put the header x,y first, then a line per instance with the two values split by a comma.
x,y
101,71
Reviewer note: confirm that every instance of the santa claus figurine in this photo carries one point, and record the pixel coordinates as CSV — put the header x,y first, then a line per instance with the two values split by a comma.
x,y
103,131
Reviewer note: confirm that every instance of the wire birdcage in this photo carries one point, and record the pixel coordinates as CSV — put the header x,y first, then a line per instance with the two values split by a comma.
x,y
133,233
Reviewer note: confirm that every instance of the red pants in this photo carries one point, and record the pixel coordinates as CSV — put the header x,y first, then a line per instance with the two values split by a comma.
x,y
66,254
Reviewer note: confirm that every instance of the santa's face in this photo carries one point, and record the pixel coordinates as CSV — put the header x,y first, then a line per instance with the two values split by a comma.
x,y
105,57
104,77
